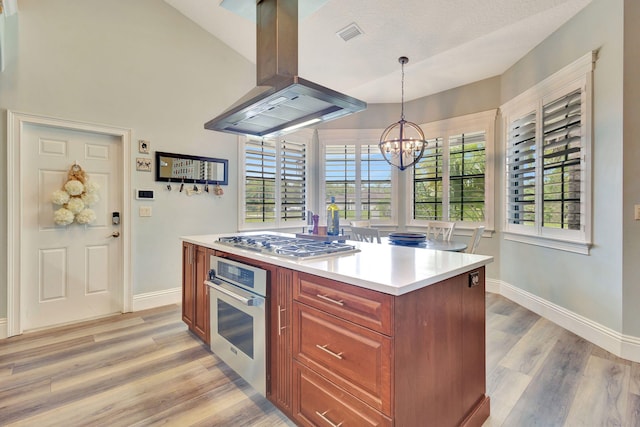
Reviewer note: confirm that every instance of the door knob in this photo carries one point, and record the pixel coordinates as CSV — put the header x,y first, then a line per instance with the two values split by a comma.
x,y
115,234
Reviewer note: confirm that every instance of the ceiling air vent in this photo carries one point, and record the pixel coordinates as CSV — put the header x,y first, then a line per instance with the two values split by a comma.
x,y
349,32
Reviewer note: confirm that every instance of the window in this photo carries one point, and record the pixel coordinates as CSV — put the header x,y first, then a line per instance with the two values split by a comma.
x,y
293,164
562,162
275,183
454,178
548,146
467,162
357,175
428,177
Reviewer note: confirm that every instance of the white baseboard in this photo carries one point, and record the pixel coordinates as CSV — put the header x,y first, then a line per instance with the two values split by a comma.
x,y
625,346
140,302
492,285
157,299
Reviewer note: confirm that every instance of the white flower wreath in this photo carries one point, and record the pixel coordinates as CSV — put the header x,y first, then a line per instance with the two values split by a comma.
x,y
77,194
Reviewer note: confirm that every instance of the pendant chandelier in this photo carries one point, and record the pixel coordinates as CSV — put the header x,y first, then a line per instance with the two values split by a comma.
x,y
402,144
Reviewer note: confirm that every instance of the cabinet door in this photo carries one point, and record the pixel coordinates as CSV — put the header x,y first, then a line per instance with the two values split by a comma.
x,y
473,339
201,291
428,352
188,292
281,340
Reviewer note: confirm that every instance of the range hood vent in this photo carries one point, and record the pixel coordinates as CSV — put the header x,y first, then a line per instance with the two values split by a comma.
x,y
281,101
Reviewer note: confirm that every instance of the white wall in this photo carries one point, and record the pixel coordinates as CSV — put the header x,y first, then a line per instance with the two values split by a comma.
x,y
139,65
590,286
631,156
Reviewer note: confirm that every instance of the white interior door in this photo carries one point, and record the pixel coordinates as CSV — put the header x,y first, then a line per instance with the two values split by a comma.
x,y
68,273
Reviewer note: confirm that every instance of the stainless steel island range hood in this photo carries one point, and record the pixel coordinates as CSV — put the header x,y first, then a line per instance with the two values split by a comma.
x,y
282,101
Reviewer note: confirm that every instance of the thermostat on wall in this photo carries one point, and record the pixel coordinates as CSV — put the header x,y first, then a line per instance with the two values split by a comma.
x,y
145,194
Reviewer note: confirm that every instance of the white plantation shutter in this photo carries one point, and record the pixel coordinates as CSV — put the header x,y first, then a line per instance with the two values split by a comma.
x,y
340,178
521,170
359,178
467,162
428,176
453,181
548,158
375,184
275,182
449,179
562,162
293,171
260,181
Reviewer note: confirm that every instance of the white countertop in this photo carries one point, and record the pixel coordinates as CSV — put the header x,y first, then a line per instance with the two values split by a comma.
x,y
391,269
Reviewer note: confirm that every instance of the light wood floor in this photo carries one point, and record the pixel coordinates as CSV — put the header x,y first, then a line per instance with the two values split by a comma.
x,y
145,368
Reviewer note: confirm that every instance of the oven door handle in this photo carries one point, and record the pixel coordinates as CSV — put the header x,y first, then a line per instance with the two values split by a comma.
x,y
216,284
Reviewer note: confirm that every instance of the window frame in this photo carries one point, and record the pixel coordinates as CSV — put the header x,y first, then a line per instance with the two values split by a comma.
x,y
445,129
357,137
577,75
278,223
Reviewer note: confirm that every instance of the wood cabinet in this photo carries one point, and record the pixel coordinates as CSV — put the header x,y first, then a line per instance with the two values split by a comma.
x,y
281,340
473,341
188,291
339,353
366,358
195,294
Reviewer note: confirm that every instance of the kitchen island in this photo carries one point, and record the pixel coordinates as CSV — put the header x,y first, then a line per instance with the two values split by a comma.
x,y
387,335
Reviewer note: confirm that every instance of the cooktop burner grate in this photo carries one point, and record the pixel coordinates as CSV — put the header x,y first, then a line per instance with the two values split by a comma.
x,y
288,246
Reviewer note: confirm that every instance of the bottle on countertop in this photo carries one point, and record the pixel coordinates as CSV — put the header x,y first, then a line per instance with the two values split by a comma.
x,y
333,218
310,222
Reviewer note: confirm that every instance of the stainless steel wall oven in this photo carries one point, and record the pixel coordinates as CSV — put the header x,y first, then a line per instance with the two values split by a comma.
x,y
238,318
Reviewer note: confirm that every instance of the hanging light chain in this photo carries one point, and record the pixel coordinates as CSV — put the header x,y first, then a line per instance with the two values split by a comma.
x,y
402,91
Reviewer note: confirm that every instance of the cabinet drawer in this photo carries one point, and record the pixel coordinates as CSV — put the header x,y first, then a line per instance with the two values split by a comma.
x,y
362,306
354,358
320,403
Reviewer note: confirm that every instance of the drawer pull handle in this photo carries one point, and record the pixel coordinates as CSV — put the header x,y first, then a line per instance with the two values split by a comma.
x,y
331,300
324,348
327,420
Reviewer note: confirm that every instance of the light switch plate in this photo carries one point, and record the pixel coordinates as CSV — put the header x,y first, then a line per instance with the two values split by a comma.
x,y
636,210
145,210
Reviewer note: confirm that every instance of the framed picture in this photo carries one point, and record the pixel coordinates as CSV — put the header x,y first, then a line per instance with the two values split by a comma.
x,y
143,146
143,164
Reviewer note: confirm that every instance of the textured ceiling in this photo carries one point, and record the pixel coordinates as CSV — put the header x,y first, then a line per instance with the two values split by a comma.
x,y
449,42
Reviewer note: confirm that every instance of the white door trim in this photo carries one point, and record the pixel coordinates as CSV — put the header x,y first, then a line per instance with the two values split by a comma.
x,y
15,126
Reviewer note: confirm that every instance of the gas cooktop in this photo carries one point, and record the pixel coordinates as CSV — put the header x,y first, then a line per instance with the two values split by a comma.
x,y
290,247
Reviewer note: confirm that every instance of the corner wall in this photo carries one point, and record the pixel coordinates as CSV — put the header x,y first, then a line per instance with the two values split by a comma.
x,y
631,160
